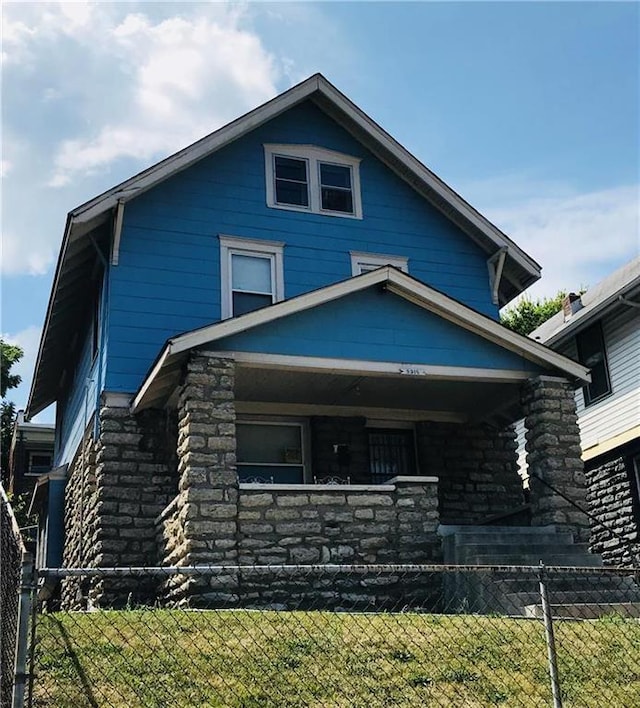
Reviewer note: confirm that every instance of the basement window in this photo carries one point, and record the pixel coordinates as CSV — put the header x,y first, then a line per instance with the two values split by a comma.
x,y
312,179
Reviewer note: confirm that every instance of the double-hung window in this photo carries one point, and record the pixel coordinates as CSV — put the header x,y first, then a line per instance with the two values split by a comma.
x,y
312,179
251,274
271,451
592,353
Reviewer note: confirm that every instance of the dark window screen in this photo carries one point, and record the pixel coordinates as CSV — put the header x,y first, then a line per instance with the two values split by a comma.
x,y
391,453
591,353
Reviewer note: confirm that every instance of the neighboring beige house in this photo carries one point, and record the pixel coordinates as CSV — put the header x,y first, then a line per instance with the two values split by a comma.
x,y
601,329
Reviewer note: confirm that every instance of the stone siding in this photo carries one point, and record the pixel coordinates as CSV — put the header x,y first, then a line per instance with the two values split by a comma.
x,y
80,520
477,470
129,478
554,455
611,501
312,525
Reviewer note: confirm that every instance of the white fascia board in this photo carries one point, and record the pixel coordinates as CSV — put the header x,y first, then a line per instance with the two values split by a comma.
x,y
243,323
380,368
191,154
493,331
404,286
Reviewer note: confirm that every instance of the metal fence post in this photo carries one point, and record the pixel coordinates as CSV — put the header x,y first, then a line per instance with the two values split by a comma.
x,y
22,634
551,642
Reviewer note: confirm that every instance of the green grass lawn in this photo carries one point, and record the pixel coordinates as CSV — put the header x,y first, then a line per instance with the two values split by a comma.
x,y
258,659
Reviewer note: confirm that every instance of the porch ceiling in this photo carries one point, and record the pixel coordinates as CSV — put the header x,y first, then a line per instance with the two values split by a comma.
x,y
411,397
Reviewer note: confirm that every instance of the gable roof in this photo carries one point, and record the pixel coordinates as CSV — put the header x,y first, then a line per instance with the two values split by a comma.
x,y
103,214
165,373
596,302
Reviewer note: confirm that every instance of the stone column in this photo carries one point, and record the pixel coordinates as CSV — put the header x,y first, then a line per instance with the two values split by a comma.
x,y
208,487
554,455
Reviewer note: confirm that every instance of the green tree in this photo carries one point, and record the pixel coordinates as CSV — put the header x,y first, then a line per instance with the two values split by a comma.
x,y
10,354
528,314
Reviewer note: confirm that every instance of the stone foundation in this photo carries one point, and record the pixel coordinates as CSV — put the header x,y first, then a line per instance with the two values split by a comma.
x,y
477,470
304,525
612,502
128,478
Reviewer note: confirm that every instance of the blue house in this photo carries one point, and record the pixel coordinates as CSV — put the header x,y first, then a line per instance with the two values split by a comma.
x,y
281,344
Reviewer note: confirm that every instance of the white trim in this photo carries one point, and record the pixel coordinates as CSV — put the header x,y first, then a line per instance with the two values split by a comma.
x,y
234,245
116,399
495,265
307,409
313,156
117,232
404,478
404,286
383,368
611,444
291,422
360,258
311,488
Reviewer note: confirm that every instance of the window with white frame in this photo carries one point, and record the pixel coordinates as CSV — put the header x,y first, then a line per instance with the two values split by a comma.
x,y
251,274
364,262
309,178
270,451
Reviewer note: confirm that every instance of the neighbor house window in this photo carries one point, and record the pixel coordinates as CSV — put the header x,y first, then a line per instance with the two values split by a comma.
x,y
39,463
592,354
270,452
364,262
251,274
309,178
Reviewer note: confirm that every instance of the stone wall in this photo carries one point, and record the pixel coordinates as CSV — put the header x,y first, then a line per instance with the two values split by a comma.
x,y
80,520
306,525
476,466
128,476
611,501
554,456
202,527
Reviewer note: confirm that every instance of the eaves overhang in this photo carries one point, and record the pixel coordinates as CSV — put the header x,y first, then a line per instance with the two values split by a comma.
x,y
164,374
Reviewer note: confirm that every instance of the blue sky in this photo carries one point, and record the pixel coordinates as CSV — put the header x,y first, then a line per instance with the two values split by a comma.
x,y
529,110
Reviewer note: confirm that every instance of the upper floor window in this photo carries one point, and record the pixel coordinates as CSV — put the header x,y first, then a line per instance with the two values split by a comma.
x,y
364,262
308,178
592,353
251,274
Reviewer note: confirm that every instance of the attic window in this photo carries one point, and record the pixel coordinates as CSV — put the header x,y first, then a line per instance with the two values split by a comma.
x,y
365,262
312,179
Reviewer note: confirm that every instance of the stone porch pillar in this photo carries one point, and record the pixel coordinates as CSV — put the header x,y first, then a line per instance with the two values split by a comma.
x,y
208,481
554,455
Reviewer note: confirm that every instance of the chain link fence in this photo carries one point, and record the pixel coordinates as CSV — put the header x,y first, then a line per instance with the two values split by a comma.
x,y
249,636
14,560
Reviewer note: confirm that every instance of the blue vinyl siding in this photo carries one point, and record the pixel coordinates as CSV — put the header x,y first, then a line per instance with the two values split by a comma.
x,y
76,408
168,277
375,326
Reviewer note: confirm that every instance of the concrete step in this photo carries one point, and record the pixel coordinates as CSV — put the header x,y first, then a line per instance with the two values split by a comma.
x,y
578,560
450,529
586,610
544,549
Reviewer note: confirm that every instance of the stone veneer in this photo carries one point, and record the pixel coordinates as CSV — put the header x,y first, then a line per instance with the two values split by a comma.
x,y
128,475
554,455
611,502
477,469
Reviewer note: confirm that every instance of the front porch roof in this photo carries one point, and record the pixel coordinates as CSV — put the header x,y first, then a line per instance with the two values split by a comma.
x,y
165,373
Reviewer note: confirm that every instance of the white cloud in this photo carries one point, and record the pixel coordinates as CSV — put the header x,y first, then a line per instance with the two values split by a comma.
x,y
16,257
578,238
5,168
186,77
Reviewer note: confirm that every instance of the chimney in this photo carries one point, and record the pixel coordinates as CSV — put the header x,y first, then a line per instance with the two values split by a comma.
x,y
570,305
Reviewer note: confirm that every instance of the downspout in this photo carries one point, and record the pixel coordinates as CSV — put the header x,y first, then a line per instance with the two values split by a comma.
x,y
495,264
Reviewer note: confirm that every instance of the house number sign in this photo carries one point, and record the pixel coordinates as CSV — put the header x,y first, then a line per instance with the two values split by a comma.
x,y
412,371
